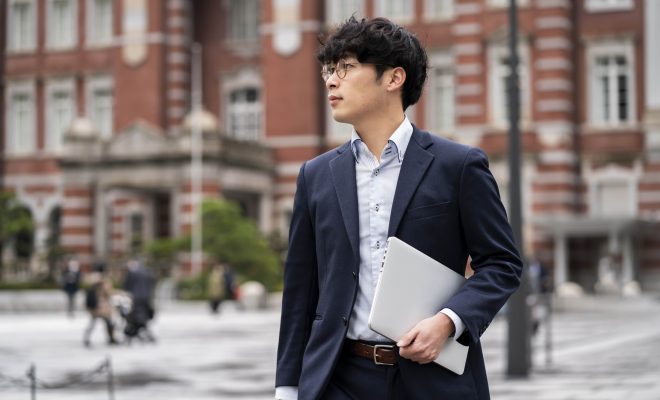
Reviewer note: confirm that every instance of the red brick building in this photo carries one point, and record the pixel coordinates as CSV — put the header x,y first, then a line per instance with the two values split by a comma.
x,y
590,114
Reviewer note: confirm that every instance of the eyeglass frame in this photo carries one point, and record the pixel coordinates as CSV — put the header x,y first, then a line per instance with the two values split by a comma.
x,y
342,71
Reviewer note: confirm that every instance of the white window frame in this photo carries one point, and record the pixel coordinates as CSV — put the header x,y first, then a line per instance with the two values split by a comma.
x,y
94,85
54,136
53,39
237,31
608,5
27,144
497,89
244,79
447,10
337,11
31,42
625,48
404,11
95,37
440,61
617,175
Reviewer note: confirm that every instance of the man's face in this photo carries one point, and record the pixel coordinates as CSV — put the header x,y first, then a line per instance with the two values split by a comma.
x,y
354,92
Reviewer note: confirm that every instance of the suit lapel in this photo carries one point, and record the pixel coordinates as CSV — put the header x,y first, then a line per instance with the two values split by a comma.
x,y
343,178
415,163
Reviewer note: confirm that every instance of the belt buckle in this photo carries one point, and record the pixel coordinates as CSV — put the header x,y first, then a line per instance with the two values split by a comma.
x,y
381,346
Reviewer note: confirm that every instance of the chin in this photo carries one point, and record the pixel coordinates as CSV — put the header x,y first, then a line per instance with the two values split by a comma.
x,y
339,117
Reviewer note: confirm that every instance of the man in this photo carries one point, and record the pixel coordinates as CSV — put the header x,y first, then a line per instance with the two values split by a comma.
x,y
391,179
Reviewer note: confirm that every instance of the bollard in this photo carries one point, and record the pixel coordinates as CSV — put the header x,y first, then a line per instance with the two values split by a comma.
x,y
111,379
548,329
32,374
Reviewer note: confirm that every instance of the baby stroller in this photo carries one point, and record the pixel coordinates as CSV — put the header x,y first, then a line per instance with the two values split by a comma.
x,y
137,320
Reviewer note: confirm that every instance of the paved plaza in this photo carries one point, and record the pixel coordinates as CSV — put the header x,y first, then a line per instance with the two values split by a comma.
x,y
603,349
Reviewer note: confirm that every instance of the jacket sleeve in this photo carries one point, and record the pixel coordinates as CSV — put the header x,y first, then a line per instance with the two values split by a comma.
x,y
495,260
300,293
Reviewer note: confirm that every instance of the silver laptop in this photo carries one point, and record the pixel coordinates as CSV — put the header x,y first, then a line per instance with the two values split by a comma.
x,y
411,287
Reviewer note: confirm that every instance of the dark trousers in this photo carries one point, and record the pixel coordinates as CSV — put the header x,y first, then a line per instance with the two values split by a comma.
x,y
357,378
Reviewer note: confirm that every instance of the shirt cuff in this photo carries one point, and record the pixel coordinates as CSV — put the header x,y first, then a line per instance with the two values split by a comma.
x,y
459,326
286,393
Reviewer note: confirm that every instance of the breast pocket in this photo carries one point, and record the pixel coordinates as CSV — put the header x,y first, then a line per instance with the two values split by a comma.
x,y
428,211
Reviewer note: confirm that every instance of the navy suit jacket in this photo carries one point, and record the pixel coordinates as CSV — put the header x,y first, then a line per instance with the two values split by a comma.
x,y
447,205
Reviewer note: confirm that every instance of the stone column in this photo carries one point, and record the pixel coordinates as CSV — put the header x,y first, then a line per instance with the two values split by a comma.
x,y
561,260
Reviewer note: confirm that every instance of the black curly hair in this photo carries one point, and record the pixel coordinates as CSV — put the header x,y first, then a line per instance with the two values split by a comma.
x,y
381,42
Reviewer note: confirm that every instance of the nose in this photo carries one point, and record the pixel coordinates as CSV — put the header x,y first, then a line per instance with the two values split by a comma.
x,y
332,81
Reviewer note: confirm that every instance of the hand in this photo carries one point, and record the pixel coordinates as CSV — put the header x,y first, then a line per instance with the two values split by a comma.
x,y
423,343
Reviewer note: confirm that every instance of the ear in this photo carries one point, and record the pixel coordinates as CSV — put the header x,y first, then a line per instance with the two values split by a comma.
x,y
397,77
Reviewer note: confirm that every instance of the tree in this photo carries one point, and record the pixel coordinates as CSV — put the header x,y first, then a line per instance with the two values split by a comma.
x,y
15,222
227,237
230,238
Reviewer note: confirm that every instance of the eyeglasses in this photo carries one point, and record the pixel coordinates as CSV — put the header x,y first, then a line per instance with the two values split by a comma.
x,y
341,68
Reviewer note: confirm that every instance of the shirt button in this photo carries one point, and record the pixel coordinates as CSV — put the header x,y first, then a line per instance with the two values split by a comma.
x,y
377,207
376,172
378,244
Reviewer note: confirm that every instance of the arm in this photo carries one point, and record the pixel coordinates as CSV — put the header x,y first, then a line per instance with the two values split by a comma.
x,y
300,290
495,261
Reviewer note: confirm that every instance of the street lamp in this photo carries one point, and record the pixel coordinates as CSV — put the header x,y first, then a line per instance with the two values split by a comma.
x,y
518,316
196,161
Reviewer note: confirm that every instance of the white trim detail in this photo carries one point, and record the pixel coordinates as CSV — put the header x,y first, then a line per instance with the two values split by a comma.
x,y
469,69
467,48
546,64
289,168
553,43
554,85
608,5
553,4
553,23
550,105
466,28
469,89
469,110
467,8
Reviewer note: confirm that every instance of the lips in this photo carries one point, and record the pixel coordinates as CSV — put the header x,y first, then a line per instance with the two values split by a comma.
x,y
333,99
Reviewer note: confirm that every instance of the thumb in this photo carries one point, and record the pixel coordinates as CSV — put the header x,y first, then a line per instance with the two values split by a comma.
x,y
407,339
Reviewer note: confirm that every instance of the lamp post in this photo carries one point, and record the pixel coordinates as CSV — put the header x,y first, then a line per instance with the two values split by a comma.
x,y
518,315
196,160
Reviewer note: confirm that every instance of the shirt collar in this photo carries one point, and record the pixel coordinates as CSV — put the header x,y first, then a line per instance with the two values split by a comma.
x,y
400,138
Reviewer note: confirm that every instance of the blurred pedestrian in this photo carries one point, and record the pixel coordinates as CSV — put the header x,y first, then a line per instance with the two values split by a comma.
x,y
97,302
71,284
216,287
139,283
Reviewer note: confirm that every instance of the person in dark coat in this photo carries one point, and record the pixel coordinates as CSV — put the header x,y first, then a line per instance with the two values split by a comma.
x,y
71,284
139,283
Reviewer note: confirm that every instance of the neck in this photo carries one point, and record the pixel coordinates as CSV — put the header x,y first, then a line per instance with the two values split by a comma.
x,y
375,132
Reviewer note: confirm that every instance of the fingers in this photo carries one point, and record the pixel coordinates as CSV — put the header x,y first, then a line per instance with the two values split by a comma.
x,y
408,338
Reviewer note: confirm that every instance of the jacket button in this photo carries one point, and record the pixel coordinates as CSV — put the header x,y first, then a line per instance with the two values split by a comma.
x,y
344,320
354,275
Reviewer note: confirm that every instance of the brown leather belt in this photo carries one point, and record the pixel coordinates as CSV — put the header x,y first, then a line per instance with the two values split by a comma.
x,y
380,354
